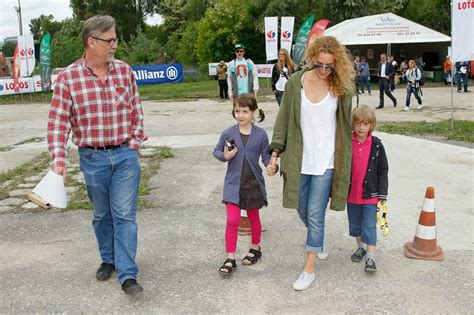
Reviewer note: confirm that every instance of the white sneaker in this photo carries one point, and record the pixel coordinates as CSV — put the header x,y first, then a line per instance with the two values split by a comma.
x,y
419,107
323,255
304,281
406,108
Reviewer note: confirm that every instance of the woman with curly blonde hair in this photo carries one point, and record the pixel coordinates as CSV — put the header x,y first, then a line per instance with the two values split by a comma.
x,y
312,135
281,72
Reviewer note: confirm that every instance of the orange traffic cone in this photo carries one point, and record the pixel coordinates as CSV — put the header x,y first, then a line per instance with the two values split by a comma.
x,y
424,245
244,226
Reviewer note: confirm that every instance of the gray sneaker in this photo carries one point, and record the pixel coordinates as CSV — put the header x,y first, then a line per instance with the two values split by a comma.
x,y
358,254
370,265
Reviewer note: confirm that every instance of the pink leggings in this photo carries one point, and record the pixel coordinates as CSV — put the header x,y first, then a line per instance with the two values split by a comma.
x,y
232,227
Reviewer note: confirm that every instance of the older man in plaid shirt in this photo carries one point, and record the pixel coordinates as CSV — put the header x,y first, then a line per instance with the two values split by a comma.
x,y
97,99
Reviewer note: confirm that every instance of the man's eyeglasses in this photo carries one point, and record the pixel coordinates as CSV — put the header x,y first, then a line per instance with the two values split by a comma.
x,y
239,51
322,67
110,41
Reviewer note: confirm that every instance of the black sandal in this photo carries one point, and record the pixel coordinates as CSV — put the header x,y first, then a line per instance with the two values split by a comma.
x,y
251,260
225,269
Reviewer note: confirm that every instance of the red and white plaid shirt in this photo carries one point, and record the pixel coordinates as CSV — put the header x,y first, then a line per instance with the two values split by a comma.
x,y
98,113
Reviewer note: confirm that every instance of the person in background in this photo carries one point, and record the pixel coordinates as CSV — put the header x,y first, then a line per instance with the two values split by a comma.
x,y
357,74
391,59
241,146
312,134
369,185
281,72
462,69
385,71
96,99
420,64
447,65
221,70
403,69
243,76
413,77
364,72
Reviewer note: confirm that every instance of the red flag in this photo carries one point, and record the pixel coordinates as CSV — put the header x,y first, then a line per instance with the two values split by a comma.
x,y
318,29
16,70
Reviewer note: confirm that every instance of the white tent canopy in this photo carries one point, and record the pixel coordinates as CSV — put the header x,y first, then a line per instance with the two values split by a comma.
x,y
386,28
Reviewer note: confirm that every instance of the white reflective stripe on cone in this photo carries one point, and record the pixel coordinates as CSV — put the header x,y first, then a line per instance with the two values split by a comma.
x,y
426,232
428,205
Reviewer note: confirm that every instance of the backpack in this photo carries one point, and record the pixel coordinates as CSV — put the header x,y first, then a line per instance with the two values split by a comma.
x,y
422,79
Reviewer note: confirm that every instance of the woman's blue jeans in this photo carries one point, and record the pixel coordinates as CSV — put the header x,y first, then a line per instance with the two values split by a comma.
x,y
313,201
112,178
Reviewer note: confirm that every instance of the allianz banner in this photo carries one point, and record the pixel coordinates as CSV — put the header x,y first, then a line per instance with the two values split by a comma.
x,y
156,74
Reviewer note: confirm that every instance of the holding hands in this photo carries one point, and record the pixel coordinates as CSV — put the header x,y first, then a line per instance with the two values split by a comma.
x,y
272,167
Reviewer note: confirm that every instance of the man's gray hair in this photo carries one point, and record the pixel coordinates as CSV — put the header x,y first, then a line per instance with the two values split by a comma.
x,y
95,26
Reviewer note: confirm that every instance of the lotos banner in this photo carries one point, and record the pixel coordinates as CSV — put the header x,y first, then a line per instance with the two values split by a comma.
x,y
318,29
462,38
301,39
271,31
156,74
286,36
45,62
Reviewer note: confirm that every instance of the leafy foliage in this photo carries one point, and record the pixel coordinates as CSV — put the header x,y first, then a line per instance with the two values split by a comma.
x,y
44,24
129,14
66,45
140,50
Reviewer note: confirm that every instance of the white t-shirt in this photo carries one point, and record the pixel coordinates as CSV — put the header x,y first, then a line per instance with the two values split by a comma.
x,y
318,126
280,85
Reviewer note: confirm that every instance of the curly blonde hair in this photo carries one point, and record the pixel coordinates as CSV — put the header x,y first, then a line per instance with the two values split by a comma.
x,y
342,79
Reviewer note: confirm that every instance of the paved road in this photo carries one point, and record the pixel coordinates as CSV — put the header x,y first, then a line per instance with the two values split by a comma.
x,y
48,259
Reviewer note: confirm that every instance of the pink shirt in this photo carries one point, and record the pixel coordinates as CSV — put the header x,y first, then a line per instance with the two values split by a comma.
x,y
360,160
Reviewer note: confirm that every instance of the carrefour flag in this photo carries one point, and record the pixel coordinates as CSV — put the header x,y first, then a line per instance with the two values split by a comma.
x,y
286,38
26,53
271,38
45,62
301,39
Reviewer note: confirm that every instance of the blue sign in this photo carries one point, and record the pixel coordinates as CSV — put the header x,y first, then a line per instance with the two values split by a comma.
x,y
156,74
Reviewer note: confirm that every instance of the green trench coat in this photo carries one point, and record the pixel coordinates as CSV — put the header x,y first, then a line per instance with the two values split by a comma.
x,y
288,140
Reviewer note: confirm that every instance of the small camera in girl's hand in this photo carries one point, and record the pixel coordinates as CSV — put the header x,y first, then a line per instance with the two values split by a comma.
x,y
230,144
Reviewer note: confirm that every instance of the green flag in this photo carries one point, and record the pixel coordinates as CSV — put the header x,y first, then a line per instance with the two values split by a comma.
x,y
45,62
301,39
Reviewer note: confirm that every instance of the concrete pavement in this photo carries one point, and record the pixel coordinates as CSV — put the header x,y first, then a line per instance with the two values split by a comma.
x,y
49,258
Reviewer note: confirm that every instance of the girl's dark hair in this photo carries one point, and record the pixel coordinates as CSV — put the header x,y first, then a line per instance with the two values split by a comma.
x,y
248,100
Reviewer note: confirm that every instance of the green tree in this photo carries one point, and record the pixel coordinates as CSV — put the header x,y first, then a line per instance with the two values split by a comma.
x,y
8,47
140,50
44,24
438,18
340,10
129,14
66,45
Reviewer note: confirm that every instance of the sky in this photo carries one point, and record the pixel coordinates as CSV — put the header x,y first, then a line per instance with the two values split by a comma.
x,y
31,9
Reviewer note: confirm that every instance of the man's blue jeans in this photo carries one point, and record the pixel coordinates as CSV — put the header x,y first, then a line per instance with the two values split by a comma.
x,y
313,201
112,178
